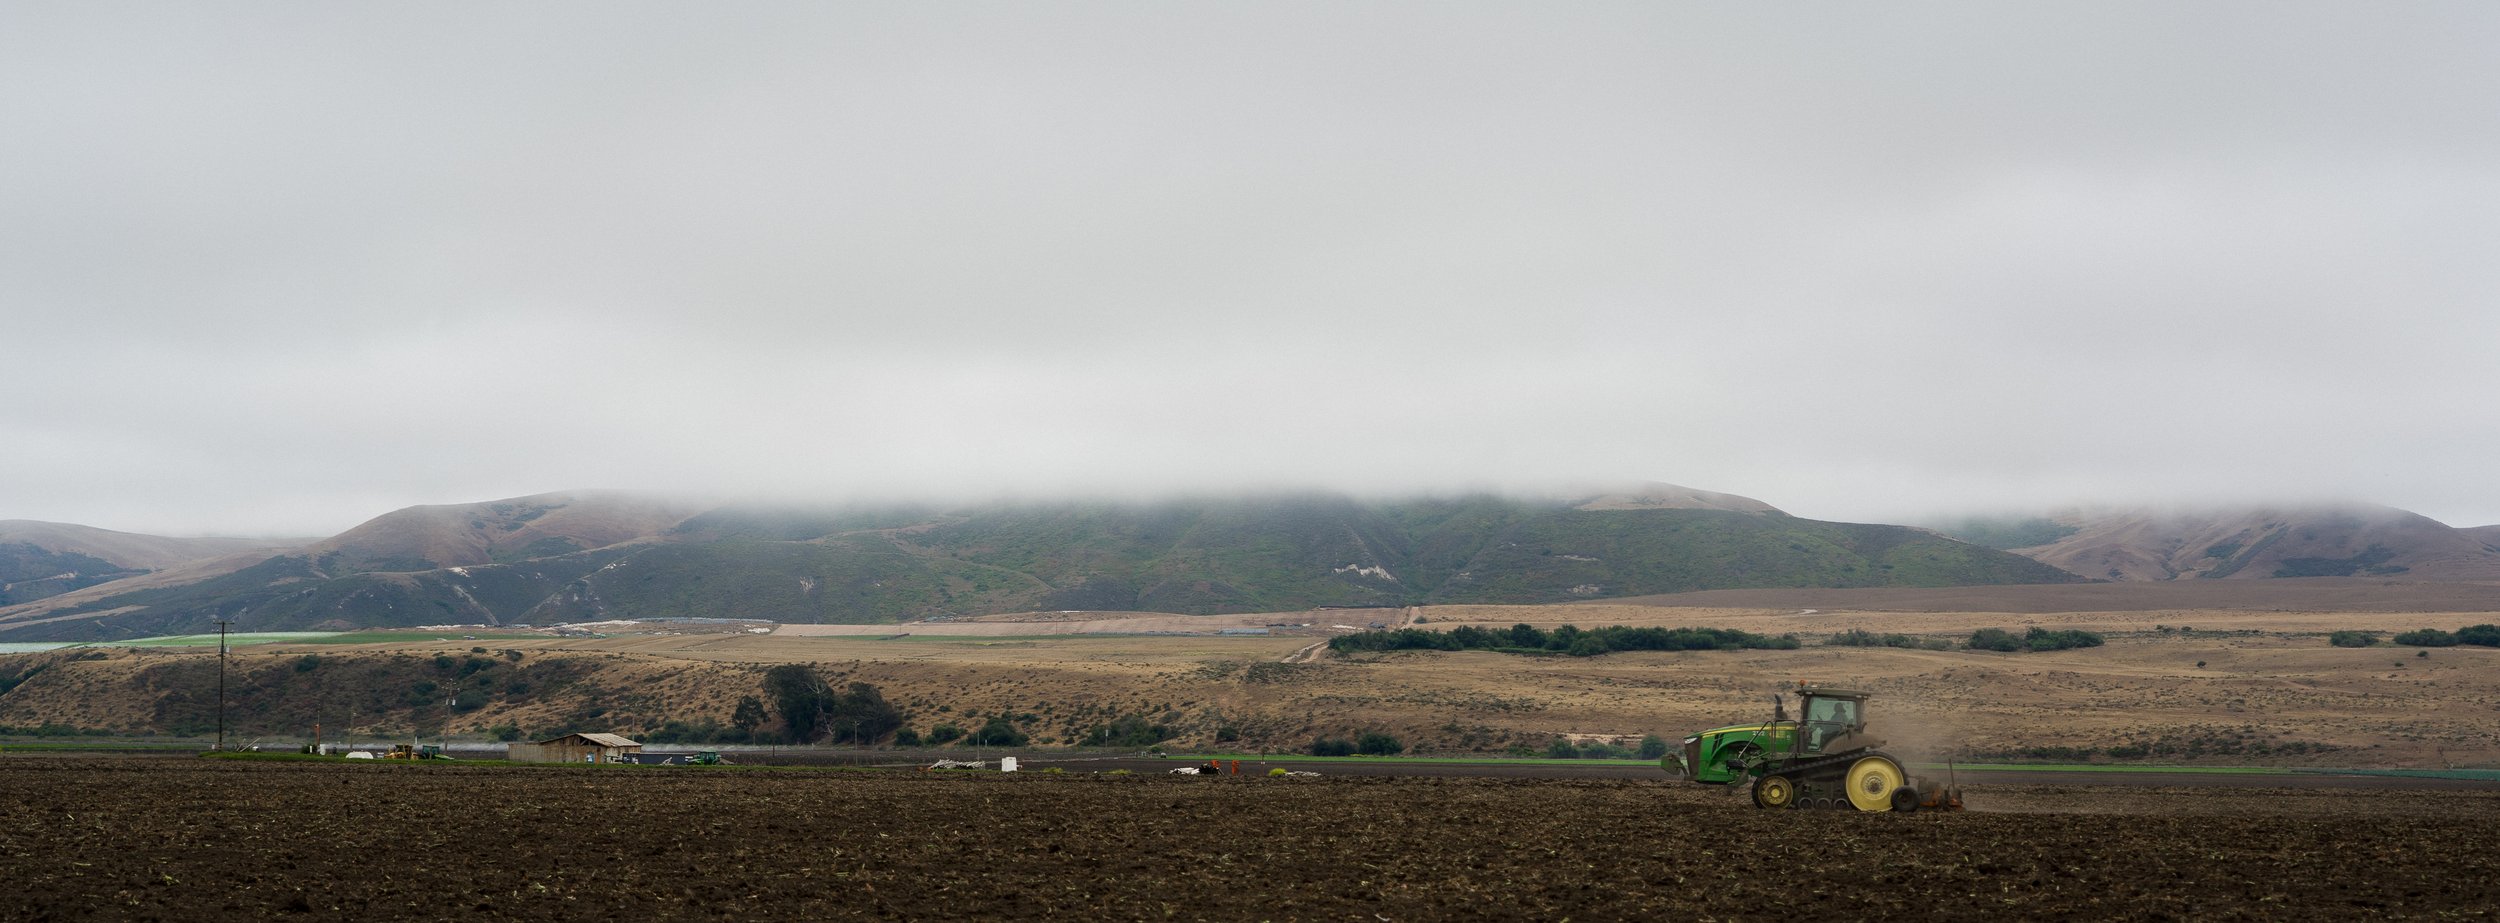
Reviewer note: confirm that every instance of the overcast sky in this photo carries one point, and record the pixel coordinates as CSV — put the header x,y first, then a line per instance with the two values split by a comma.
x,y
277,268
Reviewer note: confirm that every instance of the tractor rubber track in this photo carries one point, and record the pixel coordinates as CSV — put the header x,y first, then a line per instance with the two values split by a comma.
x,y
1803,774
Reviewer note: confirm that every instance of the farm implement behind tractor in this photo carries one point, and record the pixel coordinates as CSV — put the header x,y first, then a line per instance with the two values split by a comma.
x,y
1821,759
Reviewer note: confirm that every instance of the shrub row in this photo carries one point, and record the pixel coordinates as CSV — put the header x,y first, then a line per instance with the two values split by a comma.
x,y
1608,639
1371,743
2476,635
2036,639
1568,639
1859,637
1652,747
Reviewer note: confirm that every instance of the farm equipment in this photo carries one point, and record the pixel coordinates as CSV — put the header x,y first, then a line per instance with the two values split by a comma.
x,y
1821,759
415,752
704,758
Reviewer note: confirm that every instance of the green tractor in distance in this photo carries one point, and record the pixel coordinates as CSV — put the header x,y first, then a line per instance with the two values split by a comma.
x,y
1821,759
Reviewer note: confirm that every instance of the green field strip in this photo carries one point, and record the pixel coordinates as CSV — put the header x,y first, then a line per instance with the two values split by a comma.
x,y
240,638
934,638
1405,760
106,746
210,640
2475,775
2103,767
390,637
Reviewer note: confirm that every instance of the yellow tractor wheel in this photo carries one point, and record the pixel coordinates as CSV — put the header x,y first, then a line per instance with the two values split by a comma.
x,y
1774,792
1871,782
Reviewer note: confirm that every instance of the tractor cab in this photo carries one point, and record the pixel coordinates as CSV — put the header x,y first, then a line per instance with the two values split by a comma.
x,y
1827,716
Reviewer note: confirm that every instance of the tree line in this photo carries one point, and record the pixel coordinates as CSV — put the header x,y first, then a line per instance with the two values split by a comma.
x,y
2473,635
1568,640
1607,639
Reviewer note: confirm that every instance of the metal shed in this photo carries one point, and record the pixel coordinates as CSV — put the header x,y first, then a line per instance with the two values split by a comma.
x,y
577,748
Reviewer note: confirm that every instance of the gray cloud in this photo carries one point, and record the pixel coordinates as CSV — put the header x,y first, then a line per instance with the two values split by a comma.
x,y
277,268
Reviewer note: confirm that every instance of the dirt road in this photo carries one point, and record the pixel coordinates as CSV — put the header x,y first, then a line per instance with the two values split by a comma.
x,y
1314,650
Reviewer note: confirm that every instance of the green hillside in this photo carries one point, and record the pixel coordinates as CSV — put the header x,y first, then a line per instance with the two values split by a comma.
x,y
1564,554
890,564
292,592
1231,556
2006,533
29,572
857,579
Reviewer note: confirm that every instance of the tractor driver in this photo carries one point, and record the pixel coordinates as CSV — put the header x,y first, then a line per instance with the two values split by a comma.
x,y
1842,712
1827,720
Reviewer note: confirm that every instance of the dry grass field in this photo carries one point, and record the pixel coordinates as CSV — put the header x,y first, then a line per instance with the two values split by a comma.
x,y
2256,684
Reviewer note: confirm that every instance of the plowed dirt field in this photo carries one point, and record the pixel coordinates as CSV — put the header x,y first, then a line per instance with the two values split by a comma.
x,y
186,839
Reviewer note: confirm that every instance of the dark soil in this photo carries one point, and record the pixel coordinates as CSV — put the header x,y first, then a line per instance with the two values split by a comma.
x,y
200,839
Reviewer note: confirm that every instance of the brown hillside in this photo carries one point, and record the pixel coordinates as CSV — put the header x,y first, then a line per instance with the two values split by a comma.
x,y
2249,544
130,549
455,535
182,574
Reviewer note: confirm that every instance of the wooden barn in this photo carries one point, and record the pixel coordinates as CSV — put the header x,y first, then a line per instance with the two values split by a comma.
x,y
577,748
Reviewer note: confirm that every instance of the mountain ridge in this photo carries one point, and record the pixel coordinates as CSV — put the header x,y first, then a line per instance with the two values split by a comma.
x,y
129,549
420,538
579,556
40,560
2250,542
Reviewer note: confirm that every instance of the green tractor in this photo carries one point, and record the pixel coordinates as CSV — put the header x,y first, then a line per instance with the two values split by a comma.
x,y
1821,759
705,758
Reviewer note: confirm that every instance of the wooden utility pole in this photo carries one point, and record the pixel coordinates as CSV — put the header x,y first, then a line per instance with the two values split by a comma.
x,y
221,682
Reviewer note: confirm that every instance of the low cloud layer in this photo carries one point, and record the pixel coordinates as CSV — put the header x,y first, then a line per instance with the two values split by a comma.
x,y
277,268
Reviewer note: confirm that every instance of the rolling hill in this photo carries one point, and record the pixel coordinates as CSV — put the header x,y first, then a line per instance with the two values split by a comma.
x,y
591,555
422,538
39,560
2247,544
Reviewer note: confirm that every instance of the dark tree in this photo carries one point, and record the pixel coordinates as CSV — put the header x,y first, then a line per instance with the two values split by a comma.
x,y
812,711
749,716
860,715
997,732
799,695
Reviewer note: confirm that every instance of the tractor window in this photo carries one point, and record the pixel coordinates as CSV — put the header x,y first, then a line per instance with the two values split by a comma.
x,y
1835,711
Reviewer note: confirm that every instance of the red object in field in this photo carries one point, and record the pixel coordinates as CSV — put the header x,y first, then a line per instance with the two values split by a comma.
x,y
1934,797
